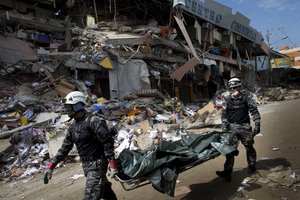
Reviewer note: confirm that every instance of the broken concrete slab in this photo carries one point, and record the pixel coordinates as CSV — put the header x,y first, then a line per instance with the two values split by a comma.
x,y
13,50
79,65
115,38
40,119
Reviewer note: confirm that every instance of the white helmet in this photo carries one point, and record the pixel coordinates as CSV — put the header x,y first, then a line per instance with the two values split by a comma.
x,y
75,97
234,82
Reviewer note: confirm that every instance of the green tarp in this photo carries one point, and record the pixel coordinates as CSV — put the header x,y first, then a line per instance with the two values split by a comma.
x,y
161,164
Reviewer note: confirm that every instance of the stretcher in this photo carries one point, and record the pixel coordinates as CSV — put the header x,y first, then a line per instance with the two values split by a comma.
x,y
161,164
129,184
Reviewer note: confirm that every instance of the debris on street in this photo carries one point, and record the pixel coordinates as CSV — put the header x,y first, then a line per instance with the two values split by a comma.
x,y
154,78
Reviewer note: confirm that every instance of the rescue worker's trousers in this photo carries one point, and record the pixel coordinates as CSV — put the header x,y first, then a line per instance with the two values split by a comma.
x,y
244,134
97,186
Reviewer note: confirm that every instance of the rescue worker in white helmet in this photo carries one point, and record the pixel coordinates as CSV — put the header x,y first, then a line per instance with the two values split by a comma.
x,y
95,147
236,119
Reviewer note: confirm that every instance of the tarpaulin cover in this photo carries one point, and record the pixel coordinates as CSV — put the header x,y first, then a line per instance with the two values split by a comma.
x,y
161,164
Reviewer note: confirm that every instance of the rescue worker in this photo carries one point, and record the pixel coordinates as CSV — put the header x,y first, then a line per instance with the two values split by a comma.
x,y
236,119
95,147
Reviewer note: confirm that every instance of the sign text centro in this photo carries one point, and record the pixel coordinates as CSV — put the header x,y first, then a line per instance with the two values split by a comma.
x,y
200,9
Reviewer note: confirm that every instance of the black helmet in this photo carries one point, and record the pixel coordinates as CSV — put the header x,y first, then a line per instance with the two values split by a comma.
x,y
234,82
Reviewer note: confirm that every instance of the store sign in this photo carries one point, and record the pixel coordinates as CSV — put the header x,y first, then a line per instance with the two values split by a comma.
x,y
198,8
281,62
244,30
222,16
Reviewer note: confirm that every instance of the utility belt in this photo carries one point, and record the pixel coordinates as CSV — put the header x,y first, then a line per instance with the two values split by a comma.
x,y
236,125
90,158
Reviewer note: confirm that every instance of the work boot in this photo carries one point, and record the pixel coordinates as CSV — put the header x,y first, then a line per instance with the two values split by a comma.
x,y
225,175
251,169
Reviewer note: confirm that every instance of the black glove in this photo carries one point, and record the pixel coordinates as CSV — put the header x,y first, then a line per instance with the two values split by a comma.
x,y
224,128
256,128
47,175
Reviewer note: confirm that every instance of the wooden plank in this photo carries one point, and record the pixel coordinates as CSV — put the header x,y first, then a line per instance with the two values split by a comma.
x,y
151,56
171,43
186,36
46,71
181,71
67,84
39,122
62,90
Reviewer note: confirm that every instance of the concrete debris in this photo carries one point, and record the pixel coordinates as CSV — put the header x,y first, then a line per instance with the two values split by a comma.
x,y
141,123
283,176
125,67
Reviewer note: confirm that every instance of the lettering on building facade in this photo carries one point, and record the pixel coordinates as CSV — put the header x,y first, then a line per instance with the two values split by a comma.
x,y
220,15
243,30
199,9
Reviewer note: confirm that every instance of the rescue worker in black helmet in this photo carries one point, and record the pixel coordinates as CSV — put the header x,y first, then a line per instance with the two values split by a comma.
x,y
236,119
95,147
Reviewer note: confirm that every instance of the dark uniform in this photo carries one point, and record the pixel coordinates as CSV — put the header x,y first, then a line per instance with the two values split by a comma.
x,y
95,147
235,118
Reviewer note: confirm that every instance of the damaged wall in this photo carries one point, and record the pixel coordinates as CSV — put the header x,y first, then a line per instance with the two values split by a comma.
x,y
12,50
128,77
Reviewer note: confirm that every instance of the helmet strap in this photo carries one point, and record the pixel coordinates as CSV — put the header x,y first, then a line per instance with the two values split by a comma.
x,y
78,115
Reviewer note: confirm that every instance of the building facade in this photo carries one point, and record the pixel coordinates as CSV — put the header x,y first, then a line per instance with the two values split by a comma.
x,y
294,53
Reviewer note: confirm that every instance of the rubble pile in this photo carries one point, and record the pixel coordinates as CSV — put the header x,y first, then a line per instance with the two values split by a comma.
x,y
269,95
140,120
139,123
126,67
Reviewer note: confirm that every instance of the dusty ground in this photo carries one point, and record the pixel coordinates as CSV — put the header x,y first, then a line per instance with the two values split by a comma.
x,y
280,129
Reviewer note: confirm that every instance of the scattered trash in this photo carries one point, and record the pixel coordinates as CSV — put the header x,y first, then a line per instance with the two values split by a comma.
x,y
263,180
282,176
240,192
76,176
275,149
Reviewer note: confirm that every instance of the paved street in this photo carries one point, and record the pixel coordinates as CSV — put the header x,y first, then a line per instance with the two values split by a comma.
x,y
280,129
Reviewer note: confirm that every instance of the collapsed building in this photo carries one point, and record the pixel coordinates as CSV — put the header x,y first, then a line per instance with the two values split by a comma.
x,y
186,49
149,59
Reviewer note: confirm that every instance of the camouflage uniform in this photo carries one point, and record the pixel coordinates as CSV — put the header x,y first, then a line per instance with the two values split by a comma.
x,y
235,118
95,147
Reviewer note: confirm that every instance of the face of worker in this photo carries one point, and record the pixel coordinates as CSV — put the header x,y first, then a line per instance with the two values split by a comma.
x,y
69,110
235,91
72,109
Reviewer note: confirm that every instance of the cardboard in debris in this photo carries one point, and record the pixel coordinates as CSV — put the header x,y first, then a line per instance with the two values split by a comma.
x,y
62,90
67,84
207,108
4,144
145,126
